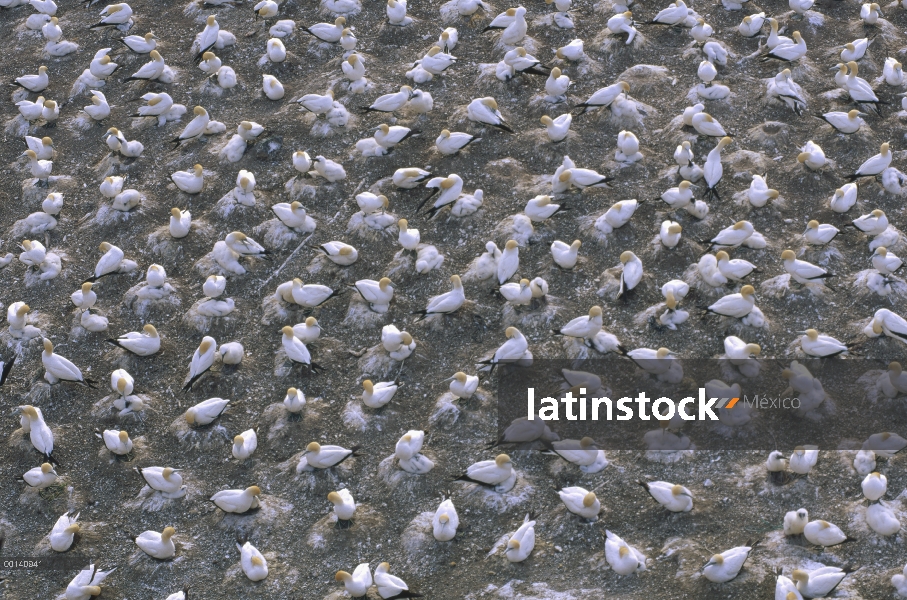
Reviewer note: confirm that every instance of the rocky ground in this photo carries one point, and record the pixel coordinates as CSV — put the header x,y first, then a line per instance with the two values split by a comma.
x,y
734,502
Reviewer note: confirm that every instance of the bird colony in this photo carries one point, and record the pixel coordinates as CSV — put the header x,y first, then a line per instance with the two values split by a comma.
x,y
258,262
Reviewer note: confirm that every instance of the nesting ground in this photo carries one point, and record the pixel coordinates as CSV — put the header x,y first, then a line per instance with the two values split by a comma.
x,y
734,503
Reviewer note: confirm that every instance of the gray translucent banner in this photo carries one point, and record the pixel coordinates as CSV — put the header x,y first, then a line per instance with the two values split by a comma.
x,y
829,404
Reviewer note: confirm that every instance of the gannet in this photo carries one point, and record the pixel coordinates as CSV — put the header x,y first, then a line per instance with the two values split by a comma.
x,y
151,70
605,96
733,236
31,111
795,522
735,305
407,236
339,253
875,165
669,233
572,51
308,331
497,474
445,521
157,545
463,385
40,477
244,444
206,412
885,262
357,584
143,344
855,50
271,87
40,435
712,169
327,32
521,543
114,15
874,486
557,128
33,83
64,530
190,182
310,295
627,148
774,40
485,111
515,348
329,169
141,44
302,162
509,261
117,442
127,385
845,122
50,111
344,506
295,350
58,368
812,156
317,456
396,13
873,223
586,327
802,271
237,501
436,61
447,188
294,401
583,178
445,304
391,586
788,52
623,558
675,498
87,583
565,255
675,14
450,143
631,272
818,583
40,169
316,103
166,480
892,72
822,346
803,458
388,136
376,395
390,102
707,73
266,9
723,567
354,69
540,209
819,234
859,89
844,198
409,445
103,67
84,297
42,147
581,501
197,127
378,294
253,562
201,361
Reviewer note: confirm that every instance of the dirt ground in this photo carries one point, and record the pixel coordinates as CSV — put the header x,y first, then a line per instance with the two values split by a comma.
x,y
734,502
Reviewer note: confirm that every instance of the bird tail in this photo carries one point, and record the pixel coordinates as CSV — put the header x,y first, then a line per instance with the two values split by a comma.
x,y
430,196
503,127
